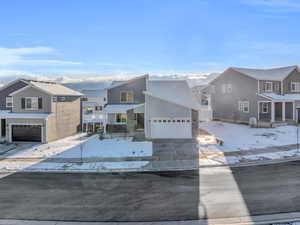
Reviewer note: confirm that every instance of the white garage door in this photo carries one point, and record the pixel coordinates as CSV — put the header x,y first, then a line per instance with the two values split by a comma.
x,y
171,128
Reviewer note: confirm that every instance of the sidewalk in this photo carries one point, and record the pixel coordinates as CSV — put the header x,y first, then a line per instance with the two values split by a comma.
x,y
283,218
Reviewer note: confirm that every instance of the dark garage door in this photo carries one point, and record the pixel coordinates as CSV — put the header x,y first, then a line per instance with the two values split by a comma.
x,y
26,133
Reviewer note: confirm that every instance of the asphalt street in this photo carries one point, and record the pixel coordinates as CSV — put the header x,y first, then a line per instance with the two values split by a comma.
x,y
186,195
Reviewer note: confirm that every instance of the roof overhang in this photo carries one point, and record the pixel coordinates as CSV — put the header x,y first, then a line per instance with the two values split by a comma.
x,y
121,108
11,115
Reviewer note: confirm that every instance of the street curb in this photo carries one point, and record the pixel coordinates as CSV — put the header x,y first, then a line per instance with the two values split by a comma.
x,y
247,220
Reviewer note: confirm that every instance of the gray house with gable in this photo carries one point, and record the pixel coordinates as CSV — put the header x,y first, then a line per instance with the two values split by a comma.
x,y
272,96
38,111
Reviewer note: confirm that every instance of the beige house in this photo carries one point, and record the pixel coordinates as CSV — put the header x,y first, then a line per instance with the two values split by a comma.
x,y
40,112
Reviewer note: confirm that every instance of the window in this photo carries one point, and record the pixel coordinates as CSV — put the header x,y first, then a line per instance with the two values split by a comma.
x,y
121,118
54,99
31,103
127,97
62,99
244,106
89,110
264,107
295,86
226,88
268,86
9,102
277,87
98,108
213,89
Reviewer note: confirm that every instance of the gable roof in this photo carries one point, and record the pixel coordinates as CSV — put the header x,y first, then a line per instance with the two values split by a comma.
x,y
174,91
13,82
50,88
120,83
267,74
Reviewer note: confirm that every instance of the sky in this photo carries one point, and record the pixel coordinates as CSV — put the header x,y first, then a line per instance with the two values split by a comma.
x,y
122,37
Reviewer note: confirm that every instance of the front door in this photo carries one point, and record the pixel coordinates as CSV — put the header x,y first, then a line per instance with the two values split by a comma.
x,y
140,120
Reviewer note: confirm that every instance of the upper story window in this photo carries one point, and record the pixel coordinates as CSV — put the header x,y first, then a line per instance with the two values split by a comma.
x,y
126,97
268,86
295,86
32,103
9,102
244,106
89,110
226,88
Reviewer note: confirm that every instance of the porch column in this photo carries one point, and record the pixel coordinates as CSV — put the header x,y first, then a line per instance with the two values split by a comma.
x,y
294,111
283,111
272,112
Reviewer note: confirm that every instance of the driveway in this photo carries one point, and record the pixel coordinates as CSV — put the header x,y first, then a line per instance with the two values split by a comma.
x,y
175,149
208,193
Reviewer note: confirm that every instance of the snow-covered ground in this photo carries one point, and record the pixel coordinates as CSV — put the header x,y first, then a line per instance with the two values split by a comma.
x,y
239,137
78,147
253,144
83,147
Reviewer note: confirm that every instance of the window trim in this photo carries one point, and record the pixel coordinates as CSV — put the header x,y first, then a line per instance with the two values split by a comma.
x,y
37,104
241,105
126,96
11,102
297,85
265,86
116,115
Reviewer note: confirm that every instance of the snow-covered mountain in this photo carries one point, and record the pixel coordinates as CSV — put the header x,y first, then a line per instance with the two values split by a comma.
x,y
101,82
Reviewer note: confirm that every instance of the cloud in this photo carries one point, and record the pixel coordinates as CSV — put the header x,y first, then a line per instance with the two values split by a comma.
x,y
276,5
17,56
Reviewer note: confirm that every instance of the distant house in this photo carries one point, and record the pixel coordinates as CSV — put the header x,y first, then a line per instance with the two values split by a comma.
x,y
159,108
93,116
38,111
272,96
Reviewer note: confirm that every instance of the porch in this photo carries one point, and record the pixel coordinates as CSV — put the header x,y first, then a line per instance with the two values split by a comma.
x,y
277,112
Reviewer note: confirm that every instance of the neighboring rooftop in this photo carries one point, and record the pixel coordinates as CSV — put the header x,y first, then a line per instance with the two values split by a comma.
x,y
267,74
175,91
54,88
94,93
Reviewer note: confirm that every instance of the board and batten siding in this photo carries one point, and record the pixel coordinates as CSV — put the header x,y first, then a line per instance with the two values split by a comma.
x,y
31,92
292,77
225,105
137,86
7,91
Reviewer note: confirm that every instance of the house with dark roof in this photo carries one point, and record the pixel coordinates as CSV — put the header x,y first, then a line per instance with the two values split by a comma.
x,y
38,111
158,108
271,96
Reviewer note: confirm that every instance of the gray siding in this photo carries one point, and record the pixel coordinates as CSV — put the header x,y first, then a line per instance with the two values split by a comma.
x,y
276,85
158,108
244,88
293,77
31,92
137,86
7,91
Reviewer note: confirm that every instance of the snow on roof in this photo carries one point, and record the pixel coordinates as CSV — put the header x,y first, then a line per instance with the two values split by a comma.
x,y
7,114
174,91
267,74
120,108
286,97
119,83
54,88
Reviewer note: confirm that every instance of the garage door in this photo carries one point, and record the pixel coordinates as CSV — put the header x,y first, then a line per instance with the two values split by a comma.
x,y
30,133
171,128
